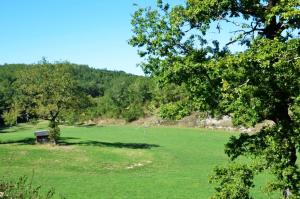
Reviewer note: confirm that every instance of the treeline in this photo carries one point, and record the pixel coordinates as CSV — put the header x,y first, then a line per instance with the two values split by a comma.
x,y
108,94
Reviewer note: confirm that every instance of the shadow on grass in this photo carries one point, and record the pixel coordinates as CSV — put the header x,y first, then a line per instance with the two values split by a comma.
x,y
67,141
25,141
9,130
14,129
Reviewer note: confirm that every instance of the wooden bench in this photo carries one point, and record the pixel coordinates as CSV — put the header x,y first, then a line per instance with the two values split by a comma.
x,y
42,136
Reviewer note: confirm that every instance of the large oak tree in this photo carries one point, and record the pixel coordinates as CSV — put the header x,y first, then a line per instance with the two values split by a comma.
x,y
260,82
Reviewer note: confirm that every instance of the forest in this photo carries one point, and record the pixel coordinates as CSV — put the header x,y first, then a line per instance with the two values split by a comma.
x,y
108,94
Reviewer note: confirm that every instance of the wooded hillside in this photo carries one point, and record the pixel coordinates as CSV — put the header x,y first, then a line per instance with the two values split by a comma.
x,y
108,94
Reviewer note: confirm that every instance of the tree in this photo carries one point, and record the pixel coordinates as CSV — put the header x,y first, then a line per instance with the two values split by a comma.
x,y
7,78
47,91
127,97
258,83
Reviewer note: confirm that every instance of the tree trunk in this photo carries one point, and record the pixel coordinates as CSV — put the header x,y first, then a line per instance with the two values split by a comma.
x,y
54,130
285,121
287,193
272,27
292,163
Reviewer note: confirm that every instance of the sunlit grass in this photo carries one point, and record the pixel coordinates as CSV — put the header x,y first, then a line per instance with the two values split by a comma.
x,y
117,161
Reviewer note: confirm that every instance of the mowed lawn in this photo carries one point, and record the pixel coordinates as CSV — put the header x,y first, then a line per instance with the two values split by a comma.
x,y
118,161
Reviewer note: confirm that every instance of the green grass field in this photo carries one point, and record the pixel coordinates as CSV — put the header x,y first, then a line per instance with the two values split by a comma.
x,y
118,161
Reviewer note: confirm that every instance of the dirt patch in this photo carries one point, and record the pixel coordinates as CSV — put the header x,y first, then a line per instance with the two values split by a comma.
x,y
138,165
105,121
154,121
23,152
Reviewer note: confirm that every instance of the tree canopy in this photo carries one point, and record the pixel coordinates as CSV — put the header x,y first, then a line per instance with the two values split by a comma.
x,y
261,82
47,91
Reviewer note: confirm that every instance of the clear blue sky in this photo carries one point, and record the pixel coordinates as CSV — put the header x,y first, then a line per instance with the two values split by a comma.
x,y
93,32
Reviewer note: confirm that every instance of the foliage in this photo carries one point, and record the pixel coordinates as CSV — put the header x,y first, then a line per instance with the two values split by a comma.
x,y
234,181
133,113
172,101
104,94
54,132
22,189
10,117
46,90
7,77
174,111
258,83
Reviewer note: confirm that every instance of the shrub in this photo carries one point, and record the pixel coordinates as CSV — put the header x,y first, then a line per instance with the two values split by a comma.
x,y
22,189
133,113
10,117
174,111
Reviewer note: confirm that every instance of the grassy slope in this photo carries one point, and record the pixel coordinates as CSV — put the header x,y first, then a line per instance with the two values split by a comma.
x,y
118,161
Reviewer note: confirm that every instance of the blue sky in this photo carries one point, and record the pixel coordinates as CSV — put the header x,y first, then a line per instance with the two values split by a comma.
x,y
93,32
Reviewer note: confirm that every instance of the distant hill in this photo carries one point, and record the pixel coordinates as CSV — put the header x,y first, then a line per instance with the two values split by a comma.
x,y
93,81
112,94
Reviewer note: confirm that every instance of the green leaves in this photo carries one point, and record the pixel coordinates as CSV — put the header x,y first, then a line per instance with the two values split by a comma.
x,y
275,146
175,111
234,182
260,83
10,117
46,91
